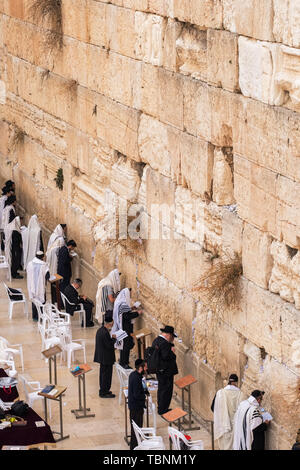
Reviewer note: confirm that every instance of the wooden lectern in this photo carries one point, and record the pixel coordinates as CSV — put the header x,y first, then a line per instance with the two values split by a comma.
x,y
141,341
55,281
184,384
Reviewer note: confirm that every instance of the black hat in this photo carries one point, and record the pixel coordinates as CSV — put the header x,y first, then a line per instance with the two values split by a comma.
x,y
108,318
233,378
138,363
169,329
257,393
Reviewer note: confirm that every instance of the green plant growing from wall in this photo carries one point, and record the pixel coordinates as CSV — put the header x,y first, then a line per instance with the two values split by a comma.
x,y
49,11
59,180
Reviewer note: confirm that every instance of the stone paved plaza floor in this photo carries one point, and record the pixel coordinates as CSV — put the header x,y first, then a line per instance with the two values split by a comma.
x,y
103,432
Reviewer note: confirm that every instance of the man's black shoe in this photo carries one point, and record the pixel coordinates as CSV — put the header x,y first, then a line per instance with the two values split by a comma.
x,y
18,276
108,395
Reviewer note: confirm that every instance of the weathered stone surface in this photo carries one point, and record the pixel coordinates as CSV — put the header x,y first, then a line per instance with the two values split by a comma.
x,y
286,22
257,260
251,18
222,59
222,179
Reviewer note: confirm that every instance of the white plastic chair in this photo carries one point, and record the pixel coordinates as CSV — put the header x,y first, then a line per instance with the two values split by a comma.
x,y
150,446
82,312
13,302
4,265
147,436
6,358
123,375
152,411
70,346
177,436
31,390
4,344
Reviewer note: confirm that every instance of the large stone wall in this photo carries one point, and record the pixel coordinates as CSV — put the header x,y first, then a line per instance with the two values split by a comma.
x,y
190,103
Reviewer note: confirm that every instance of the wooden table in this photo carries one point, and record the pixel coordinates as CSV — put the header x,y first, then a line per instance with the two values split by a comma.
x,y
172,417
56,281
56,397
81,412
184,384
141,335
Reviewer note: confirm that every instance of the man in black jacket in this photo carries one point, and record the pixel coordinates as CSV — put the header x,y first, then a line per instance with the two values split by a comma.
x,y
136,398
166,369
105,356
64,259
71,293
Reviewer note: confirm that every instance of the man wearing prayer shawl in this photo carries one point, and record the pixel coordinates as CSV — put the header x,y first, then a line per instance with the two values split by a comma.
x,y
122,317
56,241
32,240
13,246
6,192
108,289
37,275
249,426
224,406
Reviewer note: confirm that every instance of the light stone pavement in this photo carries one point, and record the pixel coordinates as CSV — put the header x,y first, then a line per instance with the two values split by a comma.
x,y
103,432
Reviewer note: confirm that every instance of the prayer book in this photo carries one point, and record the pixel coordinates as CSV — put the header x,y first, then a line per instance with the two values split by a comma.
x,y
39,424
53,392
266,416
120,335
48,389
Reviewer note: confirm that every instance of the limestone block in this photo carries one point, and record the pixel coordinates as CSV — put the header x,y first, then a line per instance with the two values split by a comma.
x,y
288,210
191,51
97,17
251,18
257,260
232,232
269,136
4,137
186,223
267,308
269,72
170,98
286,22
125,180
203,13
290,335
160,198
103,158
285,273
296,353
118,125
160,7
196,163
120,26
150,30
149,98
172,33
222,59
255,194
158,144
222,179
75,18
87,196
197,109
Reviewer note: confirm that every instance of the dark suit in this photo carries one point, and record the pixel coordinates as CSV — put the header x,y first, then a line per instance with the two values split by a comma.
x,y
128,343
64,268
105,356
136,403
165,374
73,297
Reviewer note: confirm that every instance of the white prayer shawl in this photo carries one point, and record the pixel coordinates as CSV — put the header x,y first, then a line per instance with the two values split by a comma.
x,y
32,240
56,241
123,299
226,403
57,233
113,280
13,226
2,202
36,279
5,215
245,421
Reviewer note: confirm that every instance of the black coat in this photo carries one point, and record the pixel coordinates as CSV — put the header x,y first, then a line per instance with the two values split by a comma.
x,y
72,295
167,359
64,263
104,347
136,392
